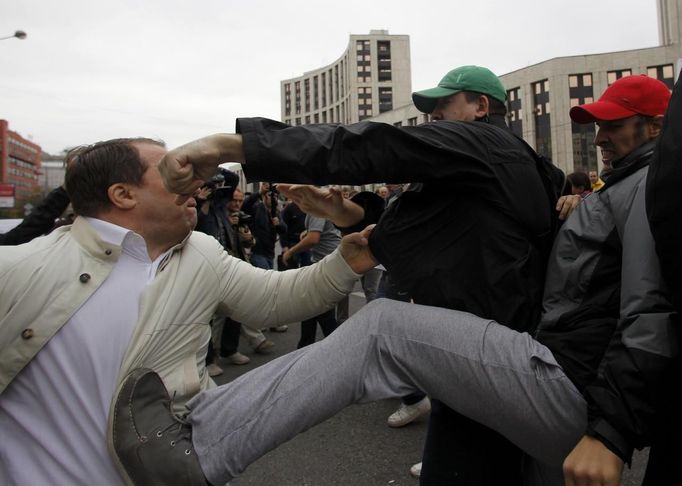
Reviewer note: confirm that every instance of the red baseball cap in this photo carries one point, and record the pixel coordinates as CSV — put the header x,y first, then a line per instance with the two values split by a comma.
x,y
629,96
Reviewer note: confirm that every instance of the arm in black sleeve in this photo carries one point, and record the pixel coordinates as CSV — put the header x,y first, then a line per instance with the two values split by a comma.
x,y
639,365
664,197
369,152
373,206
40,221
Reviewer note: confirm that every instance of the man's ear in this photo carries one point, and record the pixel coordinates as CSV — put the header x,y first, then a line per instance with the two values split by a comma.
x,y
655,126
121,196
483,106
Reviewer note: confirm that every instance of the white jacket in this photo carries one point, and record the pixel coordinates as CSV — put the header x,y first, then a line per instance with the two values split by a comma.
x,y
44,282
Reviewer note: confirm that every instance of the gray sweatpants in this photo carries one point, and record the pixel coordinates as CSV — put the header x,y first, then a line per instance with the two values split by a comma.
x,y
498,377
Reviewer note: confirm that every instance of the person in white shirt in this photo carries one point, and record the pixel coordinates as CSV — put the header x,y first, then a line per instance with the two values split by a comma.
x,y
128,285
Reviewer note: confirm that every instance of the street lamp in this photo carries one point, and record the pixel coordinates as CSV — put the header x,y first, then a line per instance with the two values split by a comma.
x,y
19,34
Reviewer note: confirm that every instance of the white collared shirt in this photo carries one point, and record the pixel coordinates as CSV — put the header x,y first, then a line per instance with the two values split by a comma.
x,y
56,410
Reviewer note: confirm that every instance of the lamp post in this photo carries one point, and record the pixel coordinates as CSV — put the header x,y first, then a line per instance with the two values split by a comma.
x,y
19,34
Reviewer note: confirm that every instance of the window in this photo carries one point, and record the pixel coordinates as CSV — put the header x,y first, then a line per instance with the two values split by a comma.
x,y
384,60
364,102
287,99
613,76
584,151
306,91
385,99
543,132
663,73
412,122
514,111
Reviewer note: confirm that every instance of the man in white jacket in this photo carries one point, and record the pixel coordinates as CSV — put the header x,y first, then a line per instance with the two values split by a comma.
x,y
128,285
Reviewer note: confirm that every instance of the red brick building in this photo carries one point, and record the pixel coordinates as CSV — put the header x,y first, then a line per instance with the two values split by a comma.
x,y
19,162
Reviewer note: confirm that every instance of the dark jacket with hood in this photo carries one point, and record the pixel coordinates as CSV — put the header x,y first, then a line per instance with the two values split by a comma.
x,y
606,314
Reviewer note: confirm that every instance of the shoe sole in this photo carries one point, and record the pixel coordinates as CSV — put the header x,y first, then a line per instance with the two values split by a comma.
x,y
122,404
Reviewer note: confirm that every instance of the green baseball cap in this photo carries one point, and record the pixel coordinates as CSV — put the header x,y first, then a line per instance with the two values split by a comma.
x,y
465,78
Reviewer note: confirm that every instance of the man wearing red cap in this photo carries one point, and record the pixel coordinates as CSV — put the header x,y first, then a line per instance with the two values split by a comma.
x,y
584,392
619,296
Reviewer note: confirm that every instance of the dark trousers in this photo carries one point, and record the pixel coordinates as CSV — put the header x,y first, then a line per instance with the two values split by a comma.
x,y
327,323
229,340
460,451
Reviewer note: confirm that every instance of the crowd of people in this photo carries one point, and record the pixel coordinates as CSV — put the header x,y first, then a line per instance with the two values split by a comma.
x,y
538,327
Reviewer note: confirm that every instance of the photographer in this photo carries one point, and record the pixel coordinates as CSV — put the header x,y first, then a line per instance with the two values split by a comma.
x,y
217,200
265,226
240,221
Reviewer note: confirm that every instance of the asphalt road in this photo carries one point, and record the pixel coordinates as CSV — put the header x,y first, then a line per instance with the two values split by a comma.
x,y
355,447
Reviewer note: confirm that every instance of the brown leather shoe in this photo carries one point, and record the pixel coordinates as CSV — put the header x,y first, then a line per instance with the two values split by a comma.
x,y
153,445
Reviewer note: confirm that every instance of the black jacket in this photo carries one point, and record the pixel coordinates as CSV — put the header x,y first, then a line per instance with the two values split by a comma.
x,y
664,197
261,226
40,221
473,237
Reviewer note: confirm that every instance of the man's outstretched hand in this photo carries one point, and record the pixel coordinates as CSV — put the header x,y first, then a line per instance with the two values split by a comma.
x,y
187,167
323,203
355,250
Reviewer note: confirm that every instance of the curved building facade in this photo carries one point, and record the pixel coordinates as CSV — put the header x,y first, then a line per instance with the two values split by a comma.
x,y
372,76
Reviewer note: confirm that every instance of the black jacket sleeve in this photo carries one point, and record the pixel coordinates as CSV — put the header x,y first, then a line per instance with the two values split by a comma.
x,y
369,152
664,197
40,221
373,206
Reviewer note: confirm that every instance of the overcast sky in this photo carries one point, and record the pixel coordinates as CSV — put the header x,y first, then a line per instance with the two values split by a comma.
x,y
177,70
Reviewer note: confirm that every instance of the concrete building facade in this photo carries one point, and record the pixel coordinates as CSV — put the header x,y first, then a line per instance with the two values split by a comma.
x,y
20,161
371,76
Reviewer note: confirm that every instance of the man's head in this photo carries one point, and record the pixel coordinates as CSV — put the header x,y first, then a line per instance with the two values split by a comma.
x,y
594,176
466,93
383,192
264,188
628,114
237,200
580,182
119,181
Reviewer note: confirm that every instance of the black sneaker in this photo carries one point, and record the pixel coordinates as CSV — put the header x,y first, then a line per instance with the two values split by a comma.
x,y
152,444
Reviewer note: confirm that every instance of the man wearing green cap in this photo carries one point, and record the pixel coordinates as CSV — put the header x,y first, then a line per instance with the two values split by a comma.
x,y
480,246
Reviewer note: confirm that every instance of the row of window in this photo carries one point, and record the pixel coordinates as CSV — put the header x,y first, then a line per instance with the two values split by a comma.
x,y
23,146
337,114
365,106
414,121
335,80
20,163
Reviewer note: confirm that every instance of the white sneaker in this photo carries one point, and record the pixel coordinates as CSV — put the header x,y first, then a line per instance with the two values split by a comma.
x,y
416,470
237,359
409,413
214,370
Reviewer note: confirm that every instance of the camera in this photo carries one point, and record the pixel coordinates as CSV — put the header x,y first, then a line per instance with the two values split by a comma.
x,y
244,219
